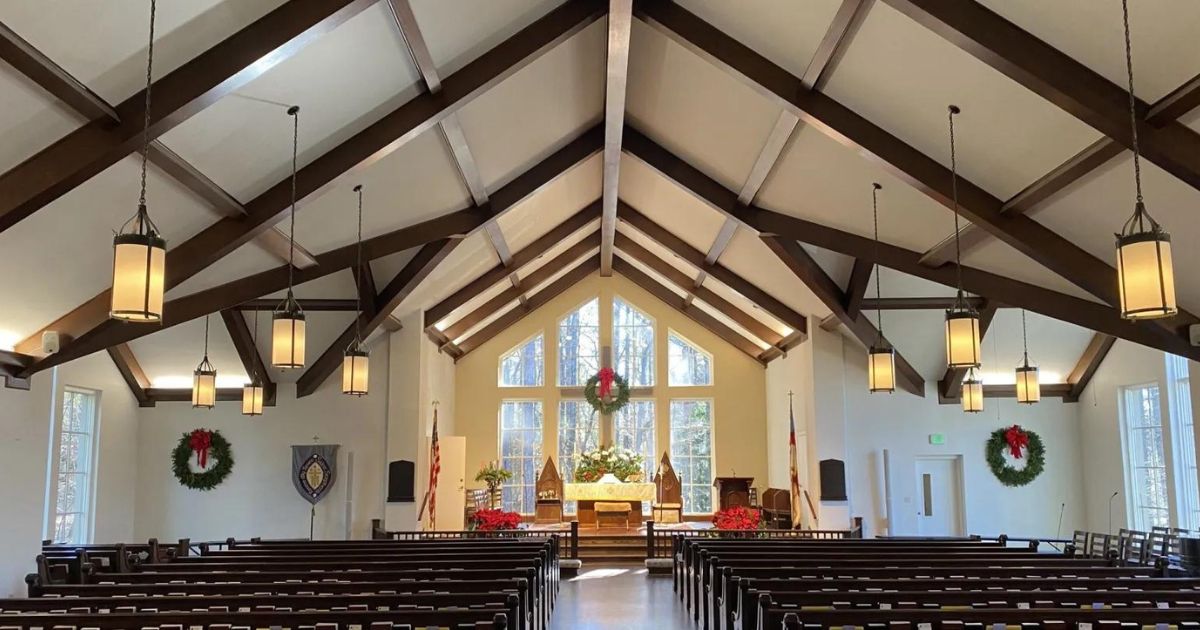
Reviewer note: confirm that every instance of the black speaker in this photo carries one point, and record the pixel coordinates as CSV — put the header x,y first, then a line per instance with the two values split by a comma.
x,y
400,481
833,480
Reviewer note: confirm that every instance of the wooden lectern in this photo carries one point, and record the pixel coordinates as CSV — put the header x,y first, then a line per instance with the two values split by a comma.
x,y
734,491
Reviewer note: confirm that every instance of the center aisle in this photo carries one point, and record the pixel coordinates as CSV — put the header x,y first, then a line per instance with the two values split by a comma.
x,y
621,597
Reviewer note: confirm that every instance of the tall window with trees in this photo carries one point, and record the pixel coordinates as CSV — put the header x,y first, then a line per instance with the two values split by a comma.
x,y
692,452
520,452
1145,460
633,344
634,428
578,433
687,364
1183,442
579,345
73,482
522,366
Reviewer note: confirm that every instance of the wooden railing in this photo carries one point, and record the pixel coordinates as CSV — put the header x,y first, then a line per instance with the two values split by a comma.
x,y
663,543
568,540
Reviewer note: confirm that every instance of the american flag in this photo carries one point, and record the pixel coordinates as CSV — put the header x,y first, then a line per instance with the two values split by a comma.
x,y
435,467
799,516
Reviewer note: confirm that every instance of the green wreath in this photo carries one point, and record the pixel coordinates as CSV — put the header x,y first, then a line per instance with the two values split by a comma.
x,y
1035,458
217,448
620,391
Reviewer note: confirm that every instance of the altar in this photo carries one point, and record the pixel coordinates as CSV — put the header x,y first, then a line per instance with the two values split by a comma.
x,y
587,494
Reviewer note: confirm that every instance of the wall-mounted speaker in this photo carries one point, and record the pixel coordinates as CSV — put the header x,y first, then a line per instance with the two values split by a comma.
x,y
833,480
400,481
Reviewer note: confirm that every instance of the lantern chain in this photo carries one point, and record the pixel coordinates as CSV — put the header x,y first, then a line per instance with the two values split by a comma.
x,y
295,113
146,113
1137,163
953,109
358,274
1024,338
875,188
206,337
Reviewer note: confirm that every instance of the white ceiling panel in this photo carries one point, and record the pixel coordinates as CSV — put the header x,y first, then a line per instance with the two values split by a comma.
x,y
553,204
785,31
468,261
335,285
31,120
750,258
668,205
901,76
52,269
729,323
694,109
1091,32
168,357
386,268
548,103
415,183
658,250
244,261
744,303
1090,214
588,232
838,266
1054,346
458,32
822,181
342,82
901,285
103,42
919,337
1001,259
485,322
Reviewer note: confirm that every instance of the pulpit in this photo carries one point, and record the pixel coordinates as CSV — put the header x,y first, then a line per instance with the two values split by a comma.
x,y
549,507
733,491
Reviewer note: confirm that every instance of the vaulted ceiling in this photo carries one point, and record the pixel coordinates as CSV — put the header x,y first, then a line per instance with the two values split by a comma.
x,y
720,154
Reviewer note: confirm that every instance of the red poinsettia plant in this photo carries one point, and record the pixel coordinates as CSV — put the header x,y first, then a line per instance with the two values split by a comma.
x,y
737,518
495,520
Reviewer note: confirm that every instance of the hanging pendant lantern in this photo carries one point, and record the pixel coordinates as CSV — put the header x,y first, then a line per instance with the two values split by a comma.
x,y
252,392
881,358
287,322
1029,388
204,379
962,320
972,393
1145,273
139,251
356,362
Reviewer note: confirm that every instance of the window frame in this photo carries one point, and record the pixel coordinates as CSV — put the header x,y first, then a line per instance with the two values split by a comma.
x,y
558,323
712,364
712,441
653,349
651,462
86,517
1135,510
537,457
1182,458
569,507
542,359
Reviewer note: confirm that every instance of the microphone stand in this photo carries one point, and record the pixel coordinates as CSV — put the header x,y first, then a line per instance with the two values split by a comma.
x,y
1110,500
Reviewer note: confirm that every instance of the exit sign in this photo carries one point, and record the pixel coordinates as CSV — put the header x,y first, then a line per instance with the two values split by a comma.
x,y
937,438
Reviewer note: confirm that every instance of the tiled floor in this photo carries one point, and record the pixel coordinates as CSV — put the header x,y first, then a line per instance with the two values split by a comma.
x,y
619,598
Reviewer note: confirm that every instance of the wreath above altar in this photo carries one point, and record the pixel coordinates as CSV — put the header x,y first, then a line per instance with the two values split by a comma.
x,y
1019,443
206,445
607,391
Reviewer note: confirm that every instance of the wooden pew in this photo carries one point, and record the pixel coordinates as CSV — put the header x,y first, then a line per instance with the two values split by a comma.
x,y
786,619
477,619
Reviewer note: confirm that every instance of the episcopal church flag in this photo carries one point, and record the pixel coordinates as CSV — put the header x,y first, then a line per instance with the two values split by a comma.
x,y
799,516
314,468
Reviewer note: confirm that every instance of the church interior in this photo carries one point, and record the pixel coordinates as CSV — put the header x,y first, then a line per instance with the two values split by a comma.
x,y
728,314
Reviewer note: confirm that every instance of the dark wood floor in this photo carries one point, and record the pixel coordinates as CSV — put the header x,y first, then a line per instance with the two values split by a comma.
x,y
620,597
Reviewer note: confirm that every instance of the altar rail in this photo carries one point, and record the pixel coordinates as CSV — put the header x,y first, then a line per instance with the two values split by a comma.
x,y
568,539
663,543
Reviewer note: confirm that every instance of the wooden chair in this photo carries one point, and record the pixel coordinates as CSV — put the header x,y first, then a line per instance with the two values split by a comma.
x,y
668,504
1133,546
777,508
1080,541
549,507
1101,545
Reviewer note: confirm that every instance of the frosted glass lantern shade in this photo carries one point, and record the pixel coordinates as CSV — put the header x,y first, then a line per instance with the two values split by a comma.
x,y
204,389
881,370
1146,276
139,269
962,339
252,399
972,395
354,373
1029,389
287,340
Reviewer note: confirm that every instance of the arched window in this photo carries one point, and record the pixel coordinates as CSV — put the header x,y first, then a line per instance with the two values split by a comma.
x,y
687,364
633,344
579,345
522,366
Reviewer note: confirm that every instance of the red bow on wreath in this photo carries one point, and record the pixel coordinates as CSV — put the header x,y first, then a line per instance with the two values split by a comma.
x,y
604,388
1017,439
200,441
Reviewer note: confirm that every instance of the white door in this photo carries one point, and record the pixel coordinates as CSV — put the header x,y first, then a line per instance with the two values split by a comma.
x,y
451,496
939,497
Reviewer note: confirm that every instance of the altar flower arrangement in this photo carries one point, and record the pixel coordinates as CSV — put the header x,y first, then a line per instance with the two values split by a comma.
x,y
494,476
623,463
737,518
494,520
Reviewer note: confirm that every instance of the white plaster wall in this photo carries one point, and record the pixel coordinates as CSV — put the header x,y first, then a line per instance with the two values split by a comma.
x,y
902,424
791,373
404,401
258,498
